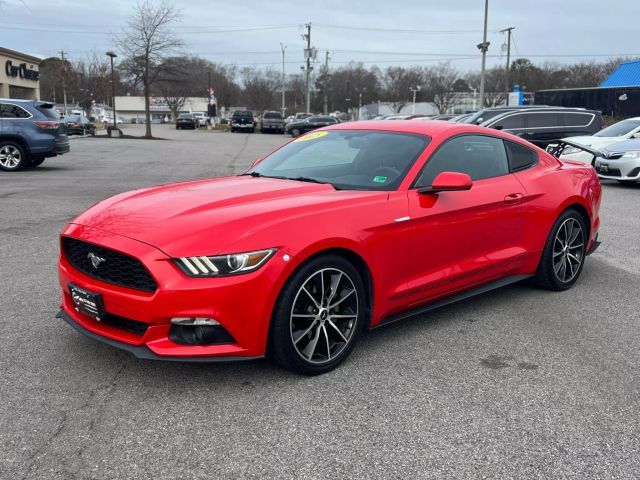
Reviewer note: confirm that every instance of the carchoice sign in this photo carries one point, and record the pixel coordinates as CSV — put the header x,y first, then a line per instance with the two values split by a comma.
x,y
19,75
21,70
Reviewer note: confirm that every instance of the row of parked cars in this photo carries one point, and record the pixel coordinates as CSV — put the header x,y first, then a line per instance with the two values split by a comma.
x,y
272,121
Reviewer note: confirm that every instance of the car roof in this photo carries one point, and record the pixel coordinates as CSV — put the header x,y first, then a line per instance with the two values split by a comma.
x,y
430,128
17,100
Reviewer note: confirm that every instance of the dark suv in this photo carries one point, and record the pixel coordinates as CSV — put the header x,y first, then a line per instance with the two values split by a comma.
x,y
30,131
548,125
243,120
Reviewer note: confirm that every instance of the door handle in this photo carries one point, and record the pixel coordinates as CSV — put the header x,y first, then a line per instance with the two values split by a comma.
x,y
513,198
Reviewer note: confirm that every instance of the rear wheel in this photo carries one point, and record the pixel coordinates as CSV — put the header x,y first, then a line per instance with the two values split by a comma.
x,y
564,253
318,317
12,156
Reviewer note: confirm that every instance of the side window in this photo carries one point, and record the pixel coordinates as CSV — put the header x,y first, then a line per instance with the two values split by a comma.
x,y
576,119
520,157
511,122
543,119
12,111
479,156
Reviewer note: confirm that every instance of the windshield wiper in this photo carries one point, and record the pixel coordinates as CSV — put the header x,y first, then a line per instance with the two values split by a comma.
x,y
279,177
307,179
253,174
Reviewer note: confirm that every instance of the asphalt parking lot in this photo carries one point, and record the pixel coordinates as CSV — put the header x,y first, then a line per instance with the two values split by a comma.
x,y
517,383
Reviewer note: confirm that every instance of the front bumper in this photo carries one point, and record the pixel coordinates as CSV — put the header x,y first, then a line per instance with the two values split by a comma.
x,y
627,169
242,304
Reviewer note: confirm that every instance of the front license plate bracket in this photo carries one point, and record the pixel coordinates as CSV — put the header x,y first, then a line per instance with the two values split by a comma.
x,y
87,302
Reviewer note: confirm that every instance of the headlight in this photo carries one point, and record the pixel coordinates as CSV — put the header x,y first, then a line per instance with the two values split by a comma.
x,y
222,265
570,150
634,154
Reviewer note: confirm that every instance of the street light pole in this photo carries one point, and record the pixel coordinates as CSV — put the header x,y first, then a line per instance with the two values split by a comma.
x,y
506,73
112,55
284,109
484,46
307,85
415,90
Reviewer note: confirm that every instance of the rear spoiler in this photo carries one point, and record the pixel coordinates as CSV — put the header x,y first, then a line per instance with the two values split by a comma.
x,y
556,149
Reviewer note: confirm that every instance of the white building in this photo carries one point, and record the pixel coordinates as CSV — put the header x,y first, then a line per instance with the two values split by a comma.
x,y
132,108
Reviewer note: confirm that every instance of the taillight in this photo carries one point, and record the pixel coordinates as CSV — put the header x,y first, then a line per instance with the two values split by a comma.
x,y
47,125
602,126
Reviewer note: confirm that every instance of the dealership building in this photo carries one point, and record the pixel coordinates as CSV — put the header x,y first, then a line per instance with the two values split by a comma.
x,y
19,75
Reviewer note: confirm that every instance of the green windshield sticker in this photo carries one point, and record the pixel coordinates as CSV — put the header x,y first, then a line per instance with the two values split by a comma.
x,y
379,179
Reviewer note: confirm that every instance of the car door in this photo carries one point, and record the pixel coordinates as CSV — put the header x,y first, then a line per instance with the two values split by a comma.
x,y
463,238
544,128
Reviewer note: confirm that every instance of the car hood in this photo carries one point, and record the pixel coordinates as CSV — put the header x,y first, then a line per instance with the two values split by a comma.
x,y
180,218
593,142
624,146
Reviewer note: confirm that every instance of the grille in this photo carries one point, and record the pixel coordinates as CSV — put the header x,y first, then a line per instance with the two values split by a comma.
x,y
117,268
132,326
611,172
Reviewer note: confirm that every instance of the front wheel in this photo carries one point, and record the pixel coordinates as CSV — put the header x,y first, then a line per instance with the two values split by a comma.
x,y
564,253
318,317
295,132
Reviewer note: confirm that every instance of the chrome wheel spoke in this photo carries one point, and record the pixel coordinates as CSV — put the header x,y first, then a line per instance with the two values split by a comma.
x,y
568,259
324,315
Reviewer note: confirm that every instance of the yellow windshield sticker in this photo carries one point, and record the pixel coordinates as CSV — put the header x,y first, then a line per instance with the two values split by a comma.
x,y
310,136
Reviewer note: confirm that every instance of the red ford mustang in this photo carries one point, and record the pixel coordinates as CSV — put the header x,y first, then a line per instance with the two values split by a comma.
x,y
342,229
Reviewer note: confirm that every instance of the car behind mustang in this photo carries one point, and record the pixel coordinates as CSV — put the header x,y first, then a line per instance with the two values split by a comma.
x,y
346,228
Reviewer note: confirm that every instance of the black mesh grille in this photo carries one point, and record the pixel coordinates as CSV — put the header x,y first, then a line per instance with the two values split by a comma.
x,y
610,172
116,267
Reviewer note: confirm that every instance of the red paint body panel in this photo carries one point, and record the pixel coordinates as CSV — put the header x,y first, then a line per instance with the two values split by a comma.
x,y
417,247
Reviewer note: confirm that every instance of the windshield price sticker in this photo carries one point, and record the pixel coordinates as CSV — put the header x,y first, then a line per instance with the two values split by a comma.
x,y
379,179
311,136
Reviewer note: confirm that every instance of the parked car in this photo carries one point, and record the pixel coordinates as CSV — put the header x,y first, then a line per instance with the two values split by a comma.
x,y
488,113
289,119
623,130
302,115
79,124
30,132
243,120
272,122
620,161
201,119
186,120
359,225
445,117
311,123
461,118
547,125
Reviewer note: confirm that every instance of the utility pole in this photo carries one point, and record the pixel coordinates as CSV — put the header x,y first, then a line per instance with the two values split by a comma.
x,y
113,90
307,54
483,47
415,90
209,105
348,99
283,47
64,80
506,72
325,109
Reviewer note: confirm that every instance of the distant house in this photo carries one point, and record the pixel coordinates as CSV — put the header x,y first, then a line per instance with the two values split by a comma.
x,y
618,96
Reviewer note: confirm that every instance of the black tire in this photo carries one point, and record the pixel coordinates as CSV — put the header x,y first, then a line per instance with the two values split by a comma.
x,y
295,132
281,348
37,161
18,154
233,130
546,276
253,130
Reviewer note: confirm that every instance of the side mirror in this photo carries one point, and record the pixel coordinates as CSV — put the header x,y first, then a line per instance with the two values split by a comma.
x,y
449,182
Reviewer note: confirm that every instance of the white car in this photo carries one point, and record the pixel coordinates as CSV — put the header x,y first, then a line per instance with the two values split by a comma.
x,y
615,133
201,118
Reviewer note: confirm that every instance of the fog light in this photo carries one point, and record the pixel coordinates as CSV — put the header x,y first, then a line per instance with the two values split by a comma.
x,y
194,321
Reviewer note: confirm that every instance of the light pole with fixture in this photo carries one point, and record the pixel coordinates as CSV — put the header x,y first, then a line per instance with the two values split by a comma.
x,y
415,90
112,55
283,47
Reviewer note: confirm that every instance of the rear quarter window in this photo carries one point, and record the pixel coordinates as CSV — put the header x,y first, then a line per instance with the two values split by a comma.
x,y
48,110
519,156
576,119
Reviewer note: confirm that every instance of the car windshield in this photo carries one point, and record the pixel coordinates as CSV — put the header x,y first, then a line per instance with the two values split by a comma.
x,y
185,115
619,129
243,114
347,159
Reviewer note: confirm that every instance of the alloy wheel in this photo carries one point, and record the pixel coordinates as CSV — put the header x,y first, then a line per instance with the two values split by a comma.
x,y
568,250
10,156
324,315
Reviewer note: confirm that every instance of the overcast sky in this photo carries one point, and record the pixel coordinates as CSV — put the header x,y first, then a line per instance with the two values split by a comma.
x,y
249,32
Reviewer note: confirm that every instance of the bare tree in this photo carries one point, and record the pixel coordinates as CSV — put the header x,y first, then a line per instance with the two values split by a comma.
x,y
439,84
398,82
93,81
260,87
147,41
